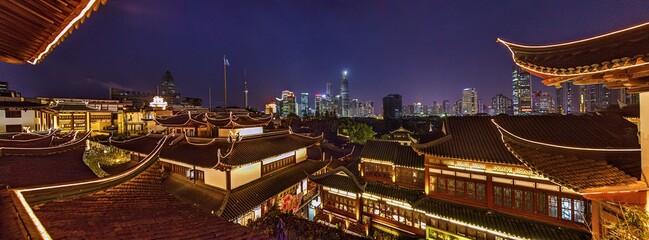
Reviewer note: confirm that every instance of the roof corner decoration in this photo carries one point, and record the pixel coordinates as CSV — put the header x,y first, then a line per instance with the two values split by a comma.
x,y
618,59
41,25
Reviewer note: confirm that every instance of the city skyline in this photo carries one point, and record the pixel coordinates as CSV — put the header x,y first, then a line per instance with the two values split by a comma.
x,y
423,64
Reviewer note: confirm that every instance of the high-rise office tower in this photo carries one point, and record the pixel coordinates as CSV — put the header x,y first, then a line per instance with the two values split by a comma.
x,y
287,104
564,103
328,91
318,105
168,88
392,106
470,105
344,95
446,107
304,104
522,91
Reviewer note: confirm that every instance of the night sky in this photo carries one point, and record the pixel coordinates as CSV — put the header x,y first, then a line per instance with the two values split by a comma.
x,y
425,50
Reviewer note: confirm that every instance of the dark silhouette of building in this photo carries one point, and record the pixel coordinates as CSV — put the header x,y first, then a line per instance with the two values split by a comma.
x,y
392,106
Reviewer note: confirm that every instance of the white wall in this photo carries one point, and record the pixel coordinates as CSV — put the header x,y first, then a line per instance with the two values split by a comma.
x,y
300,155
224,132
245,174
215,178
27,119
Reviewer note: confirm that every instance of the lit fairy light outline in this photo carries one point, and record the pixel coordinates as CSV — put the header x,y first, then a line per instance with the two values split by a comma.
x,y
565,147
66,29
41,229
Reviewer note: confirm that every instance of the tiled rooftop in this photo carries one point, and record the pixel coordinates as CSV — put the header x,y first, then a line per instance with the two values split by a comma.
x,y
392,152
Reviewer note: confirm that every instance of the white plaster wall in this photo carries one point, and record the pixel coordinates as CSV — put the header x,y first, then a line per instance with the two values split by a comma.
x,y
245,174
300,155
215,178
27,119
224,132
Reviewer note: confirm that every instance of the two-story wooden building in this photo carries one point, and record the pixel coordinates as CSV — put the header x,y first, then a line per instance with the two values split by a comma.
x,y
485,172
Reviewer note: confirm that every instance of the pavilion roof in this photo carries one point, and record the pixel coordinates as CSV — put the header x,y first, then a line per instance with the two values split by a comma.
x,y
618,59
394,152
340,178
132,204
21,105
30,30
213,152
578,152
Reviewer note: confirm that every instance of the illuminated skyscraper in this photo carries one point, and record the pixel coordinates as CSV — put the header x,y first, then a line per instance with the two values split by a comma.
x,y
344,95
304,105
522,91
543,102
470,104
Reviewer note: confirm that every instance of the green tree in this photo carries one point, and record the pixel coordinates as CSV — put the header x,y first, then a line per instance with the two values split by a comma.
x,y
357,132
632,224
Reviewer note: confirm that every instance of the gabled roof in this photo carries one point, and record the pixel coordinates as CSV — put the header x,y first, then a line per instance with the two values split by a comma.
x,y
511,225
340,178
132,204
392,152
29,30
470,138
578,152
205,152
617,59
251,195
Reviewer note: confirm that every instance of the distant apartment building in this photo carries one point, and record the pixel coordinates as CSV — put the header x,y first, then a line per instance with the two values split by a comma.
x,y
470,104
501,105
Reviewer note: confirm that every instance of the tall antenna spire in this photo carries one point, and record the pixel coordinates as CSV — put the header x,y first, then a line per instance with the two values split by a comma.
x,y
245,89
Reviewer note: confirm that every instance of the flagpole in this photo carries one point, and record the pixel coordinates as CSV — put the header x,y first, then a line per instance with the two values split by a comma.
x,y
225,84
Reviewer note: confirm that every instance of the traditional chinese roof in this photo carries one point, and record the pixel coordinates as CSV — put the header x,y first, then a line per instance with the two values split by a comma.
x,y
31,30
205,152
592,131
578,152
21,105
183,119
31,142
471,138
218,119
130,205
392,152
339,178
617,59
72,107
233,120
25,167
394,192
251,195
511,225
